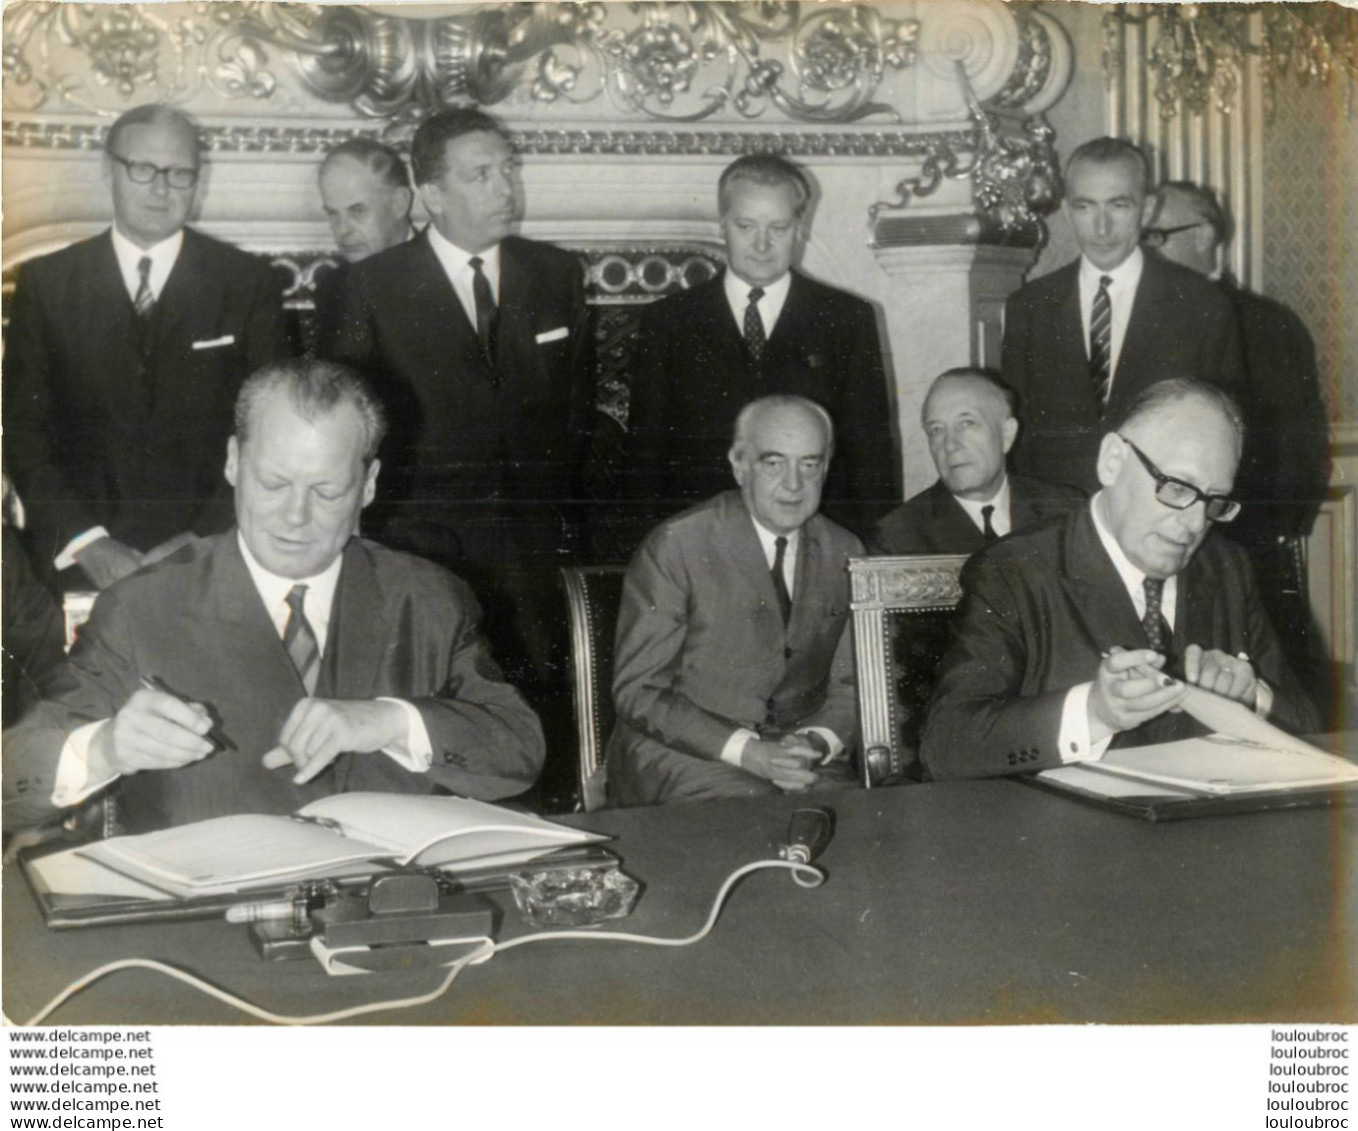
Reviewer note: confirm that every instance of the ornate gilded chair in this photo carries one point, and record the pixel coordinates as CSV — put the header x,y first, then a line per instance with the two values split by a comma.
x,y
593,594
902,619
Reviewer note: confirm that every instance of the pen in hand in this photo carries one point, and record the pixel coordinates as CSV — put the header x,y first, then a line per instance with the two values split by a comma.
x,y
214,735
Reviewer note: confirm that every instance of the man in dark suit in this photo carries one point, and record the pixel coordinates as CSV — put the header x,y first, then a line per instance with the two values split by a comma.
x,y
968,419
733,672
1082,342
1085,632
285,660
122,362
479,342
1284,472
760,327
366,196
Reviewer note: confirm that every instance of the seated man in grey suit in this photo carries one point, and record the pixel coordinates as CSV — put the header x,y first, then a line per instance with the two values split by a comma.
x,y
968,419
733,673
283,660
1082,633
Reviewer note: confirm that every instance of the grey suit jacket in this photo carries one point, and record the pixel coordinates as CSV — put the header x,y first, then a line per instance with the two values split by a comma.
x,y
400,627
702,649
933,522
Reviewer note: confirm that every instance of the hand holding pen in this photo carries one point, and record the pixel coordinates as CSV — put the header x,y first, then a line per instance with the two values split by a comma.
x,y
155,730
1129,689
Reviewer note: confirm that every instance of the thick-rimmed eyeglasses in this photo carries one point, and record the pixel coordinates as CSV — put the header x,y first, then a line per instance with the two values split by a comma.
x,y
143,173
1157,237
1177,494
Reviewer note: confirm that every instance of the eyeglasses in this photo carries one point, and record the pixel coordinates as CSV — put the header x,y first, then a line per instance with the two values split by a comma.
x,y
143,173
1156,237
1179,495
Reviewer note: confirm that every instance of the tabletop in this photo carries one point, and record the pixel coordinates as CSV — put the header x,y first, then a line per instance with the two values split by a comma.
x,y
951,903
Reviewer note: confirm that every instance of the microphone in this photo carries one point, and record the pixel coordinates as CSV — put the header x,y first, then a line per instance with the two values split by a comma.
x,y
808,832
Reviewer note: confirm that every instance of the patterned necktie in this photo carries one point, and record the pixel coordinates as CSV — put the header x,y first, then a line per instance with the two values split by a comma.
x,y
300,640
1101,343
755,339
1157,631
986,529
485,309
780,581
145,302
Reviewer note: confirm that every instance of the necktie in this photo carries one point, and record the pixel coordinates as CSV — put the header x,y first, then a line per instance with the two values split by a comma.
x,y
485,309
986,529
300,640
755,339
780,581
1157,631
1101,343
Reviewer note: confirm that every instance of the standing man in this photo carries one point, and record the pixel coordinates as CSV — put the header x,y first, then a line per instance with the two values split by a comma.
x,y
733,672
968,419
365,192
1082,633
123,359
480,343
1284,472
1082,342
760,327
284,660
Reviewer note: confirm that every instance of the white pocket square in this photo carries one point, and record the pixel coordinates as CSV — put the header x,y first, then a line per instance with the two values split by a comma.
x,y
553,335
213,343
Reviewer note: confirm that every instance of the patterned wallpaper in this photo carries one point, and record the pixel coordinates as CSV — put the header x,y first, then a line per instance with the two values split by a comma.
x,y
1311,227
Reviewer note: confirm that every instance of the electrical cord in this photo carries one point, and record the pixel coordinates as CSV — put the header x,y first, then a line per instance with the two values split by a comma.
x,y
805,875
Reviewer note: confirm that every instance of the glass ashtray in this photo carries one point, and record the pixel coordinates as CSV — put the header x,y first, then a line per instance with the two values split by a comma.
x,y
576,897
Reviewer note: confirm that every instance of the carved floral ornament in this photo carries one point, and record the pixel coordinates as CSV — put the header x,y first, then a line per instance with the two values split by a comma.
x,y
658,78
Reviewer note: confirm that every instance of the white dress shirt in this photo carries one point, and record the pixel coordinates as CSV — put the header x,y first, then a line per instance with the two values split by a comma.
x,y
735,745
163,256
457,266
1000,521
415,753
1121,295
769,307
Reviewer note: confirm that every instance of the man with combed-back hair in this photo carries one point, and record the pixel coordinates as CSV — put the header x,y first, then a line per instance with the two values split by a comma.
x,y
122,361
1082,342
733,672
284,660
1083,633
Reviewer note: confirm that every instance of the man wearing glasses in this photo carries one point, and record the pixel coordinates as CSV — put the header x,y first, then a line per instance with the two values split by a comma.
x,y
1083,341
122,363
1084,633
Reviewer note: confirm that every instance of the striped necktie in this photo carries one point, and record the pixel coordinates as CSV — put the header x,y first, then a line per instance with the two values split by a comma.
x,y
300,640
145,302
485,309
755,339
1101,343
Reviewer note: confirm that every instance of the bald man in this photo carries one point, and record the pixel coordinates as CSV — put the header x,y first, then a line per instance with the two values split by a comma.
x,y
969,422
1081,634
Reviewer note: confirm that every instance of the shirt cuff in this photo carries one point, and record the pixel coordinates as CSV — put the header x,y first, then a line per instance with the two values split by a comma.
x,y
834,748
1263,698
735,746
67,557
1072,739
416,753
73,768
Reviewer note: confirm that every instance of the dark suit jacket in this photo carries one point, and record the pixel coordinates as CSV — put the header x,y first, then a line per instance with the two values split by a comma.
x,y
693,374
1038,611
400,627
98,434
1181,326
933,522
465,436
702,649
1284,471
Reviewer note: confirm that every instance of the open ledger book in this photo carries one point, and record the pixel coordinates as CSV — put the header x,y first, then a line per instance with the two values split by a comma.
x,y
1244,756
344,835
